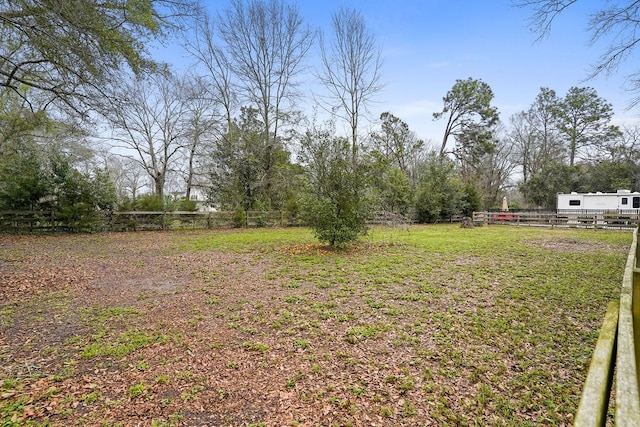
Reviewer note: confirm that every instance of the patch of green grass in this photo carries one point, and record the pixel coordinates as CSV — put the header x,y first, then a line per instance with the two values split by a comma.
x,y
136,390
408,409
6,315
406,384
292,299
408,297
291,382
212,300
364,332
300,343
256,346
67,370
357,390
91,397
123,345
191,394
386,411
9,383
163,379
375,304
292,285
193,322
242,241
105,319
286,315
12,411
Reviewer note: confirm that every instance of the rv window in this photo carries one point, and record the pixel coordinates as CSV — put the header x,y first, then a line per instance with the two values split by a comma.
x,y
574,202
636,202
624,201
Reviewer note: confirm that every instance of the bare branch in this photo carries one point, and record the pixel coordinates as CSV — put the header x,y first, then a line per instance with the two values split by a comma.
x,y
545,13
617,22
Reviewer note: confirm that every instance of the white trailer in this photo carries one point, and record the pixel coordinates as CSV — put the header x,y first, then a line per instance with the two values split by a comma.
x,y
622,201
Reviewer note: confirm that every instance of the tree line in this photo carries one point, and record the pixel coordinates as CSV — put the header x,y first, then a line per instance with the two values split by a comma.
x,y
107,127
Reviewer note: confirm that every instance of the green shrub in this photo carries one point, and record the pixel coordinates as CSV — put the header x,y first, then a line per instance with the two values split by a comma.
x,y
80,217
239,218
335,223
186,205
149,202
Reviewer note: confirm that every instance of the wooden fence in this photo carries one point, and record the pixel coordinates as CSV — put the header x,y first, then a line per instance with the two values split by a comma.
x,y
562,219
617,348
47,221
41,221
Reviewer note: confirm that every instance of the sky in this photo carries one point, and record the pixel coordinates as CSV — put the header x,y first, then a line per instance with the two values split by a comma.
x,y
428,44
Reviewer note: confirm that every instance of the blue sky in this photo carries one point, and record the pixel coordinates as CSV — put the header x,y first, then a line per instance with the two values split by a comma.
x,y
427,45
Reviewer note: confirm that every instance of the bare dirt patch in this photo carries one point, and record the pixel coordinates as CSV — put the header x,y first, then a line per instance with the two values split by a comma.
x,y
576,245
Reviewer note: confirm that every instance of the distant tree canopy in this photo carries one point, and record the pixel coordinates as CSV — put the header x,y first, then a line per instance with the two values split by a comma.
x,y
564,144
469,116
33,179
67,51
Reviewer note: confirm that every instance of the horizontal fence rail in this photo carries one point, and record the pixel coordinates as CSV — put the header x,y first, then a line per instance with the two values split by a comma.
x,y
98,221
101,221
617,348
566,219
594,402
628,352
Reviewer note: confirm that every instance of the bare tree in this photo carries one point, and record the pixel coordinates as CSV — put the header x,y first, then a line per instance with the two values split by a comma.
x,y
127,175
351,69
265,42
626,147
150,123
525,141
620,19
206,49
534,134
494,169
201,127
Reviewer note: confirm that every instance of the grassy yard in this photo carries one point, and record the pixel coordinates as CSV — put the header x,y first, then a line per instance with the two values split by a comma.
x,y
433,326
